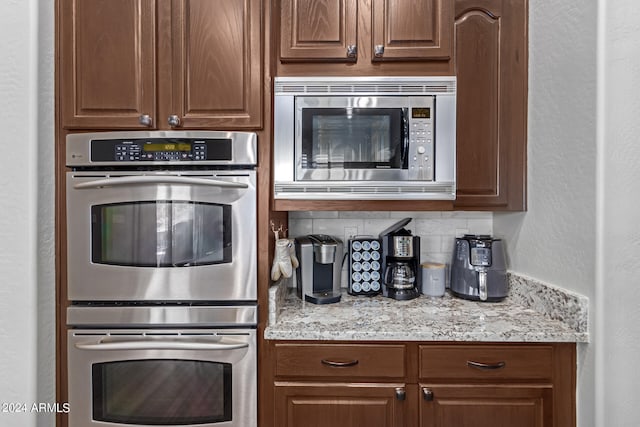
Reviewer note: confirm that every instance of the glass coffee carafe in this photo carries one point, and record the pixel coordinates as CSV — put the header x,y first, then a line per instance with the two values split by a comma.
x,y
400,275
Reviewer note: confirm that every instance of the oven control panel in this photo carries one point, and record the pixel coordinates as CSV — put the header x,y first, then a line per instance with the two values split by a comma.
x,y
167,148
160,150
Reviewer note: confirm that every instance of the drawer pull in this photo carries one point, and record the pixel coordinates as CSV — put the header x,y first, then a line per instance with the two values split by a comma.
x,y
485,366
339,363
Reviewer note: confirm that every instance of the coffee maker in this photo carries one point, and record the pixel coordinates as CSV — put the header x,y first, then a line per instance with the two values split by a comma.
x,y
320,267
400,262
478,268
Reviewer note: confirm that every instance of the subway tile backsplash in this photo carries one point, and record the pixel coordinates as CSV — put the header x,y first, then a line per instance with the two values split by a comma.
x,y
436,229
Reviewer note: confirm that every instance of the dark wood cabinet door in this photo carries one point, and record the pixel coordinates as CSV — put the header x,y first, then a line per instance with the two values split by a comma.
x,y
337,405
491,67
318,30
107,63
411,29
217,64
486,406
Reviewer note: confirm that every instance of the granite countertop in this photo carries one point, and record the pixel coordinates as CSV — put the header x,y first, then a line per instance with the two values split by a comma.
x,y
519,318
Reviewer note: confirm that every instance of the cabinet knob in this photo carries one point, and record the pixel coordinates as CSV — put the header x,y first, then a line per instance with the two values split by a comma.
x,y
401,394
352,51
427,394
145,120
378,50
173,120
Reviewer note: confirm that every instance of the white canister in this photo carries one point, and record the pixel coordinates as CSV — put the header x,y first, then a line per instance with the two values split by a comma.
x,y
433,279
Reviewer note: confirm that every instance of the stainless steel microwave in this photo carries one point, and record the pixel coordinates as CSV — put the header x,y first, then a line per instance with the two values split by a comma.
x,y
369,138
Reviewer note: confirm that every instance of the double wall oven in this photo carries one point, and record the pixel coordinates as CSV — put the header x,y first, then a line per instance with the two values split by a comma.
x,y
161,260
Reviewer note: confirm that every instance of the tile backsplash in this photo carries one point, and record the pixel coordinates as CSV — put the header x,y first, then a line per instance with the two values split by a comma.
x,y
437,230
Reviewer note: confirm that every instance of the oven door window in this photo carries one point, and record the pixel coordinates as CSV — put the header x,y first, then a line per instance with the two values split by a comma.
x,y
353,138
162,392
161,234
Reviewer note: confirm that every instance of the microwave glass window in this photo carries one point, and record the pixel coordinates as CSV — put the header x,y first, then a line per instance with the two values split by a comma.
x,y
162,392
352,138
161,234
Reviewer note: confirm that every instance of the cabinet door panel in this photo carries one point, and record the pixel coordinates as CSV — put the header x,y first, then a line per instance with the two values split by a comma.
x,y
217,63
491,62
487,406
107,63
411,29
337,405
317,29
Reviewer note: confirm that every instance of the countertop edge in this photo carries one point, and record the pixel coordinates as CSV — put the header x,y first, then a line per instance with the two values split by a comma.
x,y
565,311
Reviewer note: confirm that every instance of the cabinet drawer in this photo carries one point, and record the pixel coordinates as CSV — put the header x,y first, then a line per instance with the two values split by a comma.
x,y
337,360
461,361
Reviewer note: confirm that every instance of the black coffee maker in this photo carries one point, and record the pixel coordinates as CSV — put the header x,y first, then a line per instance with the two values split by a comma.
x,y
400,262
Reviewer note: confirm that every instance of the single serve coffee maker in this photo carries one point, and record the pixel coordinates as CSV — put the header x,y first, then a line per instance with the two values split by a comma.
x,y
320,267
400,262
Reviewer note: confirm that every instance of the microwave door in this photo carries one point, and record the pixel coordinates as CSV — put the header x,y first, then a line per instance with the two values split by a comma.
x,y
352,143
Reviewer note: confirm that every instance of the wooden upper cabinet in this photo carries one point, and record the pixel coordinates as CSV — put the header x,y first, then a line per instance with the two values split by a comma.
x,y
362,32
217,64
318,30
412,29
143,63
491,68
107,57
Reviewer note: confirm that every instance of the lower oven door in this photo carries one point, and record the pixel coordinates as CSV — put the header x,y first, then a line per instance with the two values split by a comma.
x,y
195,377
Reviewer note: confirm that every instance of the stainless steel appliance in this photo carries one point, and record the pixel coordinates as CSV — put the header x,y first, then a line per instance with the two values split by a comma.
x,y
161,241
478,268
161,216
365,137
320,267
400,262
162,365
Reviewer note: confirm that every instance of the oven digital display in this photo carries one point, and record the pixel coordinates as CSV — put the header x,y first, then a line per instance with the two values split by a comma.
x,y
172,147
421,113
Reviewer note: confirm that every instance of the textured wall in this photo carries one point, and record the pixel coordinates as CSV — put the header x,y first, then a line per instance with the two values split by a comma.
x,y
26,206
618,323
554,241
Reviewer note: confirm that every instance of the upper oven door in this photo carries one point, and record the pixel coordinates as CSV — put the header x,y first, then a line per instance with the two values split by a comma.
x,y
351,138
161,236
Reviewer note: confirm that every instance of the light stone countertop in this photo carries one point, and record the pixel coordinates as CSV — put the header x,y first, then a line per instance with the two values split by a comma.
x,y
422,319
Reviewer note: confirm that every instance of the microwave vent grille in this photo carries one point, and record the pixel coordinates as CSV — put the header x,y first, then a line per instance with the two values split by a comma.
x,y
413,87
342,191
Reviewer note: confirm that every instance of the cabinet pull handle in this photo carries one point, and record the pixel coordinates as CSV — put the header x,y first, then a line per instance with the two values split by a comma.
x,y
173,120
339,363
427,394
486,366
352,51
378,50
145,120
401,394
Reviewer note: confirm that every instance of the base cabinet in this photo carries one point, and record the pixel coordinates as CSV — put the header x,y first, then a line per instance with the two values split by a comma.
x,y
338,405
486,406
412,384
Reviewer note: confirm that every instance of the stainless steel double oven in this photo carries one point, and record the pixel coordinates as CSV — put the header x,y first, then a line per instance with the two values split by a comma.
x,y
161,260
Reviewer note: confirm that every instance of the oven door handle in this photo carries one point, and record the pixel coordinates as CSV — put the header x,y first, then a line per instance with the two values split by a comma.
x,y
160,345
147,179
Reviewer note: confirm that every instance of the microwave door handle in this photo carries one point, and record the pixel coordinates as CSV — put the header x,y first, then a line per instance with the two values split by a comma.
x,y
159,345
137,180
405,138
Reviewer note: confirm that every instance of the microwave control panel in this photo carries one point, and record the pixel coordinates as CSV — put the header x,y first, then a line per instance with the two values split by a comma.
x,y
421,138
